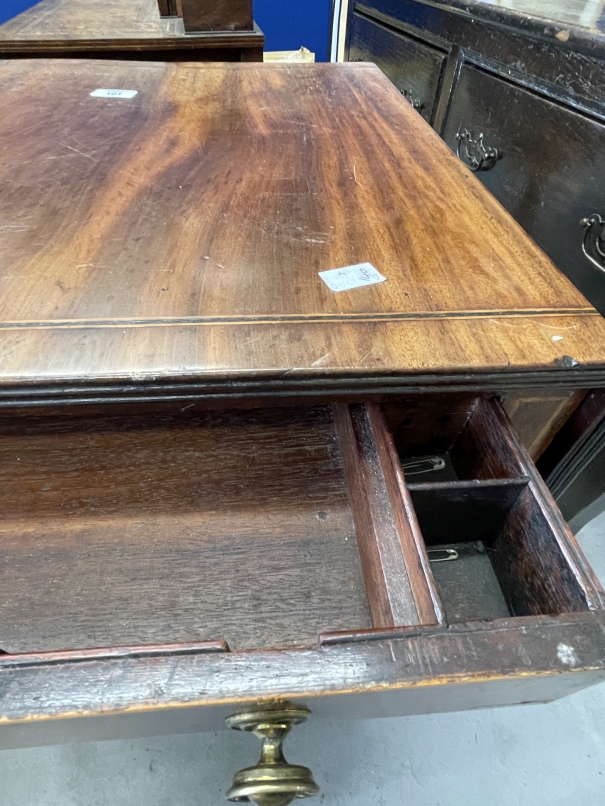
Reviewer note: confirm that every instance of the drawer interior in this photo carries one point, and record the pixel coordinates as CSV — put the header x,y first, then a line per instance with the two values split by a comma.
x,y
160,528
269,527
496,544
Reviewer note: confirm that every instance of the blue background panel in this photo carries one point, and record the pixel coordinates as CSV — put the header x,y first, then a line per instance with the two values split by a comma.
x,y
10,8
290,24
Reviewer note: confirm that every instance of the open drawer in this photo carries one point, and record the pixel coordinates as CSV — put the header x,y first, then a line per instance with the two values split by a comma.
x,y
269,527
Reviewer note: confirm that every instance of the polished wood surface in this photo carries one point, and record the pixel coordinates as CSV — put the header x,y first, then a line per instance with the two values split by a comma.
x,y
204,209
89,19
495,664
526,100
63,26
168,246
394,561
550,174
533,90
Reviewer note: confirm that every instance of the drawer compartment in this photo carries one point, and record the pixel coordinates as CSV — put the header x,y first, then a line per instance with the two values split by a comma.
x,y
268,527
164,528
491,518
414,68
160,528
493,552
548,172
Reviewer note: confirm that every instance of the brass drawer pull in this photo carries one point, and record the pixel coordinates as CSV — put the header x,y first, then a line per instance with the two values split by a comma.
x,y
593,243
473,152
272,782
412,99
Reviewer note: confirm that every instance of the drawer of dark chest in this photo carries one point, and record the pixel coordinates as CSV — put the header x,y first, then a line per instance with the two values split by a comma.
x,y
414,68
543,162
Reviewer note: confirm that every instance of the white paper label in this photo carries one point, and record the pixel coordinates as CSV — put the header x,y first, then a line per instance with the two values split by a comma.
x,y
351,277
113,93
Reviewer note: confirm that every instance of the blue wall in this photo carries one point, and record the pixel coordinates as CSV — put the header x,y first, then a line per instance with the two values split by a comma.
x,y
10,8
290,24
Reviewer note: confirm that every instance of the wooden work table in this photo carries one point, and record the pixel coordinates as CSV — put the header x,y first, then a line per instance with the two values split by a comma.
x,y
188,408
112,29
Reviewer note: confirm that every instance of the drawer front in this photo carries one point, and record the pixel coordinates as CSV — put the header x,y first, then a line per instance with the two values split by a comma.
x,y
544,163
413,68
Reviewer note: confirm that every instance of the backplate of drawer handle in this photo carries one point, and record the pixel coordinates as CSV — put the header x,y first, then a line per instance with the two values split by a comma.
x,y
473,152
412,99
593,243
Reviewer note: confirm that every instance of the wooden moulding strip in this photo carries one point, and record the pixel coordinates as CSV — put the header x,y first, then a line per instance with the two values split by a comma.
x,y
563,542
399,583
110,653
428,603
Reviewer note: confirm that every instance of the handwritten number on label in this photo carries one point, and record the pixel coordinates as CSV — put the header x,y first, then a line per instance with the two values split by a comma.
x,y
351,277
102,93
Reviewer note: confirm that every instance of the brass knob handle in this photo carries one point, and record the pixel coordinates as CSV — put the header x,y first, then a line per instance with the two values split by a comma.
x,y
272,782
593,243
473,152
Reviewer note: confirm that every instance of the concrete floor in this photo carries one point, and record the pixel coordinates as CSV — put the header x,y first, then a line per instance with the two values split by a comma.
x,y
541,755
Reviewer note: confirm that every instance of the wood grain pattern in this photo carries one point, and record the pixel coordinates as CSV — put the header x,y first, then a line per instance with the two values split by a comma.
x,y
386,581
412,545
168,247
530,563
479,665
64,27
89,19
423,424
525,549
207,205
539,551
164,528
220,15
394,573
538,416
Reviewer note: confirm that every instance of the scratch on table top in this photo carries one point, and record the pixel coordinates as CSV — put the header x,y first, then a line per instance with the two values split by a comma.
x,y
71,148
530,323
321,360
